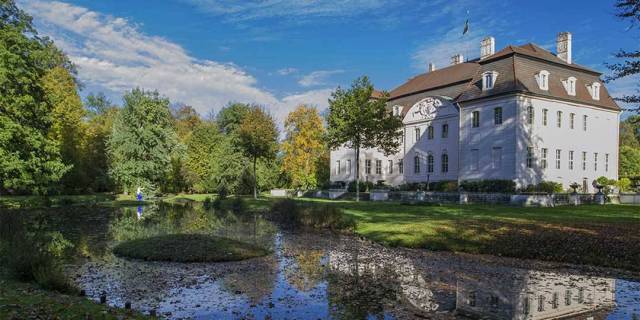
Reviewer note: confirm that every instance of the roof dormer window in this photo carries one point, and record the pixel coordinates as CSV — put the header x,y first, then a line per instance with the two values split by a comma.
x,y
488,80
542,78
594,90
396,110
570,85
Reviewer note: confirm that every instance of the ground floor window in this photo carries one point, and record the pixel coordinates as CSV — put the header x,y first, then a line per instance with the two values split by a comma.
x,y
400,166
416,164
378,166
348,167
529,157
445,163
570,160
543,158
367,166
430,163
337,167
496,157
595,161
390,166
558,154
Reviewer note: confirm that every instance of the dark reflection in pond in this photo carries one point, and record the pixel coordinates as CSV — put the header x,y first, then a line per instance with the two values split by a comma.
x,y
322,275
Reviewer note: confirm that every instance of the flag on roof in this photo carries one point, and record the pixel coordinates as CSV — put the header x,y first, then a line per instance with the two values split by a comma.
x,y
466,27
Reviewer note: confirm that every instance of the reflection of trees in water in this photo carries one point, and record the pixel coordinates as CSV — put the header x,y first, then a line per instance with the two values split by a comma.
x,y
163,218
304,270
256,284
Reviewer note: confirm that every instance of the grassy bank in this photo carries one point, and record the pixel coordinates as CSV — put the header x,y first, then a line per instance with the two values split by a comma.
x,y
188,248
20,300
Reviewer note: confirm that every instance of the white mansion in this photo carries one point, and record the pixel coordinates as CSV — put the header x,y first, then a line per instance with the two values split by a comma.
x,y
522,113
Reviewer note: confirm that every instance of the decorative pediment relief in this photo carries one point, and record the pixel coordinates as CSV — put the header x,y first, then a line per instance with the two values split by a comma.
x,y
429,108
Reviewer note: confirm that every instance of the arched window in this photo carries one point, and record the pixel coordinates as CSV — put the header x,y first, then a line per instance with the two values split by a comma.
x,y
445,162
489,79
430,163
430,132
416,164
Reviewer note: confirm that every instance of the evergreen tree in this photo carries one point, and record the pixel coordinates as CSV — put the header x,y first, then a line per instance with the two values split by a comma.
x,y
142,141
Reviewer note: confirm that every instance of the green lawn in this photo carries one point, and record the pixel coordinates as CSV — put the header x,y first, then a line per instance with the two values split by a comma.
x,y
188,248
27,301
597,235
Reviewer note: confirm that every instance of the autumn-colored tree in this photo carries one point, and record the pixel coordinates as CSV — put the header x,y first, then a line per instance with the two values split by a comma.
x,y
258,137
357,120
303,144
67,128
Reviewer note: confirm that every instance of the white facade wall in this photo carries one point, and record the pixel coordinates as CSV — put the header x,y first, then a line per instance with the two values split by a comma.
x,y
495,143
600,136
496,151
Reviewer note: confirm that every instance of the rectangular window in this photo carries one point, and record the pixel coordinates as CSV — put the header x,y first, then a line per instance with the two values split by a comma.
x,y
400,166
526,305
529,157
584,123
581,295
572,120
497,116
475,160
367,166
390,166
541,303
606,162
475,119
584,161
570,160
595,161
530,114
471,301
417,134
496,157
348,167
430,163
430,132
545,114
558,155
416,164
445,131
554,300
568,297
445,162
543,158
559,120
337,167
378,166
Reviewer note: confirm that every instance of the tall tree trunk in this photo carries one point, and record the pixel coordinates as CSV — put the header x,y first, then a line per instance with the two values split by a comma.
x,y
357,148
255,179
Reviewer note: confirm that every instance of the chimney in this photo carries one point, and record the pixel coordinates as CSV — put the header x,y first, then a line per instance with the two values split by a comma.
x,y
487,47
563,46
432,67
458,58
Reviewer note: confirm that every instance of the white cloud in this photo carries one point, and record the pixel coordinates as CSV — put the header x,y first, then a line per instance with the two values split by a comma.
x,y
113,55
317,78
257,9
287,71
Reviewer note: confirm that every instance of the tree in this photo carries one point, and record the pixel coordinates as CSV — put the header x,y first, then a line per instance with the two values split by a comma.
x,y
142,140
627,10
356,120
67,128
101,113
303,144
630,132
231,116
629,162
29,158
258,137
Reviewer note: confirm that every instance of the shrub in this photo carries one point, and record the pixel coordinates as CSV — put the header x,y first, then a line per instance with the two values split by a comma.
x,y
501,186
207,203
291,213
365,186
238,205
222,192
65,202
217,203
624,184
544,187
607,183
32,253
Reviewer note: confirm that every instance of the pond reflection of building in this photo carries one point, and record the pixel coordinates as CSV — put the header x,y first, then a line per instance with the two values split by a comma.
x,y
535,295
389,270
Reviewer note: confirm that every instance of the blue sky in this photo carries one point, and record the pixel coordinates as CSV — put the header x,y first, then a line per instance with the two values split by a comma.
x,y
280,53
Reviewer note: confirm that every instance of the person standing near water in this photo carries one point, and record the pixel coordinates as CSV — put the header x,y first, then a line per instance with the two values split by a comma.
x,y
139,194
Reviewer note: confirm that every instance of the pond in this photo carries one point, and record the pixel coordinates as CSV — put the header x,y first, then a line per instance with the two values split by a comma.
x,y
318,275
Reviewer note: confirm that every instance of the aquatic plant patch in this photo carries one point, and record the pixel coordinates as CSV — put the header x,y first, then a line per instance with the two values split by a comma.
x,y
188,248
